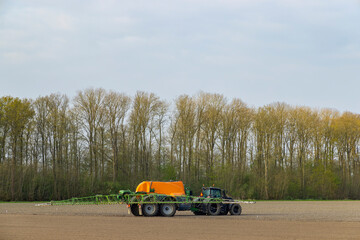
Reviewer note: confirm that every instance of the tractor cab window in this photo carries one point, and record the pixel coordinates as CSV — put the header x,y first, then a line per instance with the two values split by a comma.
x,y
211,192
206,192
216,193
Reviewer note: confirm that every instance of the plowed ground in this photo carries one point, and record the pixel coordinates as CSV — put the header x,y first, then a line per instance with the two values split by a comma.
x,y
263,220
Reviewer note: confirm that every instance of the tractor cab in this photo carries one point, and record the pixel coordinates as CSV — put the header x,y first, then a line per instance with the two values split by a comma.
x,y
212,192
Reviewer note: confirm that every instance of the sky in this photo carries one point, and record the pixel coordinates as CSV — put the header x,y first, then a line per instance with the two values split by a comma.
x,y
299,52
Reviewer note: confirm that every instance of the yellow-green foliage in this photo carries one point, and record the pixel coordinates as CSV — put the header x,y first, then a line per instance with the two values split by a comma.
x,y
56,148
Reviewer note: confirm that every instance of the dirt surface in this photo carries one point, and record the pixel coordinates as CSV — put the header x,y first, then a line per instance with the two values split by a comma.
x,y
263,220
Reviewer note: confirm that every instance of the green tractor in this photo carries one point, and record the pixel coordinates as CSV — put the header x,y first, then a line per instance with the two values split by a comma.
x,y
214,201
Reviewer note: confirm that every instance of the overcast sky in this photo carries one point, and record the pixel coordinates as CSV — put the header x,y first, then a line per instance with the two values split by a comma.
x,y
302,52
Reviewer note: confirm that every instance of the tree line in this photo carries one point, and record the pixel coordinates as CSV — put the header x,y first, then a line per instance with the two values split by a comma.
x,y
102,141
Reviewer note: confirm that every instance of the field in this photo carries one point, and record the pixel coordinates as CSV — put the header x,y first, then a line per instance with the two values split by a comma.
x,y
263,220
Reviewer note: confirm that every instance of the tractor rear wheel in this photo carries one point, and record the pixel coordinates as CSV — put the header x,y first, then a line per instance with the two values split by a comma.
x,y
224,209
235,209
214,209
167,209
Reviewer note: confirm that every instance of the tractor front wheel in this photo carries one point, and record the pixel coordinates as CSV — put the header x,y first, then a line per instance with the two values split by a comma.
x,y
235,209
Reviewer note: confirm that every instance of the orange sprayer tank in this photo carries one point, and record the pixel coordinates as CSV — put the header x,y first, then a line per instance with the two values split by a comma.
x,y
168,188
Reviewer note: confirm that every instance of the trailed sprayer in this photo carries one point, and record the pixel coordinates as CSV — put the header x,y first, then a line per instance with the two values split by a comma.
x,y
155,198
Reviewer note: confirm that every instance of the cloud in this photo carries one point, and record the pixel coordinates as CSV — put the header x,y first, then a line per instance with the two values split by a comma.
x,y
248,44
15,57
64,22
349,52
31,33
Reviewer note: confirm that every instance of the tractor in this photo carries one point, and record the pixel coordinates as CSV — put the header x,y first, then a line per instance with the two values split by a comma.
x,y
205,205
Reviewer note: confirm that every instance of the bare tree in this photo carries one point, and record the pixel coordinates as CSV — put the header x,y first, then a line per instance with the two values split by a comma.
x,y
116,106
89,104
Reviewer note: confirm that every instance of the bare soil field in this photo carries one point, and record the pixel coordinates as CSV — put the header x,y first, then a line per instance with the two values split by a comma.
x,y
263,220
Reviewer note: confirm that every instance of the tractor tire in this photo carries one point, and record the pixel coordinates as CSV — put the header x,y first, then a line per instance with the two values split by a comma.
x,y
213,209
235,209
224,210
168,209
